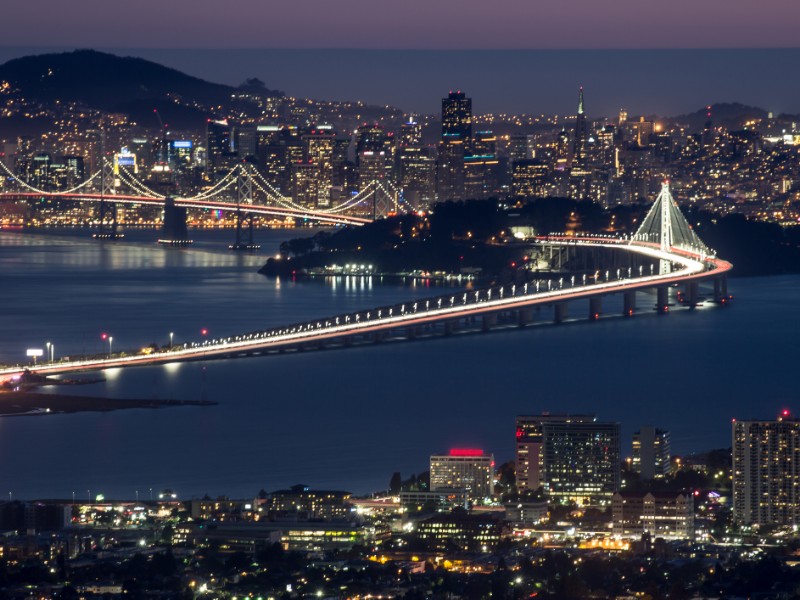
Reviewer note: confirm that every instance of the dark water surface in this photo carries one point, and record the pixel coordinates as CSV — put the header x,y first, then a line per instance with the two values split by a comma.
x,y
346,418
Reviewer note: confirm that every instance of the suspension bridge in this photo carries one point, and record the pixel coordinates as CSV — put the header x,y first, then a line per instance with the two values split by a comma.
x,y
669,254
242,190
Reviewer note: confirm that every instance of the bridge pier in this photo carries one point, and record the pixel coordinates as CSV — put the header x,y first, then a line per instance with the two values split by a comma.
x,y
691,294
662,299
378,337
489,321
560,312
721,290
524,316
595,307
449,327
628,303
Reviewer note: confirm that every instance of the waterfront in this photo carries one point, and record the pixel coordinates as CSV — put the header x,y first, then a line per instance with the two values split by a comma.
x,y
392,405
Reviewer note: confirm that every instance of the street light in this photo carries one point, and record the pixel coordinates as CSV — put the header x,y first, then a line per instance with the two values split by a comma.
x,y
170,339
49,354
110,340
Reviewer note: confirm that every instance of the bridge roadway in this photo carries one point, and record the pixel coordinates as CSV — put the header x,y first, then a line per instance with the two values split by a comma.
x,y
258,209
689,269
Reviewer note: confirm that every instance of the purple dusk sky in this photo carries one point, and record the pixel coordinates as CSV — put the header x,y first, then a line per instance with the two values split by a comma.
x,y
429,24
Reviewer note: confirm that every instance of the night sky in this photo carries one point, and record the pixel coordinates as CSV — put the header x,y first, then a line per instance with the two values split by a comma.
x,y
409,54
441,24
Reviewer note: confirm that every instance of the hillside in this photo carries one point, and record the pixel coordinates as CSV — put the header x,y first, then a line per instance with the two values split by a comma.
x,y
113,83
729,114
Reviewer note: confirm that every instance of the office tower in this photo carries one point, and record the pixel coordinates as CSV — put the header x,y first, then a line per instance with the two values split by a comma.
x,y
455,146
246,140
318,147
573,457
581,135
305,183
766,471
651,453
463,469
219,146
529,178
457,116
417,176
450,171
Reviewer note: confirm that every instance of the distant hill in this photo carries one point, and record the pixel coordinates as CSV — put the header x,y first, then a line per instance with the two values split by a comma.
x,y
729,114
113,83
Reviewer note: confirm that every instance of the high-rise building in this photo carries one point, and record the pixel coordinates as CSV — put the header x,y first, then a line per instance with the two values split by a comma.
x,y
766,471
221,151
581,136
529,178
572,457
651,453
463,469
417,176
455,146
457,116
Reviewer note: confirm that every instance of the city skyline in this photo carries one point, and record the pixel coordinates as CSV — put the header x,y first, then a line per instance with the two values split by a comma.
x,y
662,82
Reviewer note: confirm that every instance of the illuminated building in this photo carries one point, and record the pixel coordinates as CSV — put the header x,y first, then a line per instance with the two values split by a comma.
x,y
303,504
305,183
660,514
457,116
318,146
246,141
220,147
529,178
463,469
581,135
455,146
450,173
766,471
573,457
417,176
651,453
461,530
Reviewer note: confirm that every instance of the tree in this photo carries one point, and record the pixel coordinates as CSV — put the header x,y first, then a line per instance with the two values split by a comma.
x,y
396,483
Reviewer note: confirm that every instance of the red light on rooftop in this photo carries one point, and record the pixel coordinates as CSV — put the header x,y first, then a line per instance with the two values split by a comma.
x,y
103,336
466,452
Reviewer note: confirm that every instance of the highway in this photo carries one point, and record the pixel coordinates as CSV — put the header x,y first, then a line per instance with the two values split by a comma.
x,y
688,267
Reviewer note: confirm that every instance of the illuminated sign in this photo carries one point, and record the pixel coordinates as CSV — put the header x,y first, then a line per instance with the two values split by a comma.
x,y
34,352
182,144
268,128
126,160
466,452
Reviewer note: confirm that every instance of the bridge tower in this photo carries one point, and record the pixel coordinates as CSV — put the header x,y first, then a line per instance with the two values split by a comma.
x,y
244,195
107,231
384,203
666,227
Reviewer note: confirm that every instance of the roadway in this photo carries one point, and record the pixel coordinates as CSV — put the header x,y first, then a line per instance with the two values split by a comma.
x,y
258,209
688,267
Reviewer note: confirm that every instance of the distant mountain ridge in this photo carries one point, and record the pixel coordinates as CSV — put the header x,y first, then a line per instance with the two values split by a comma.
x,y
730,114
113,83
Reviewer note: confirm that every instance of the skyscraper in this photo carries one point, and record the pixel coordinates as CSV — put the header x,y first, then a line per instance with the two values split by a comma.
x,y
581,135
463,469
651,453
456,144
457,116
766,471
573,457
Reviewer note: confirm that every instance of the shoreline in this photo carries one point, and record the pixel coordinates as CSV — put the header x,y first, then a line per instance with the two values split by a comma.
x,y
32,404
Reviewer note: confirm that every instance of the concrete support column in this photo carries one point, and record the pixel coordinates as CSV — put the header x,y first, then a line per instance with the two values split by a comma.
x,y
378,337
560,311
662,299
721,289
595,307
691,294
628,304
449,327
524,316
489,321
